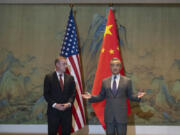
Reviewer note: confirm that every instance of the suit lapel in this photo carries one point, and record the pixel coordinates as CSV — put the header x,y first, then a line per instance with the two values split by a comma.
x,y
56,80
121,81
109,85
65,80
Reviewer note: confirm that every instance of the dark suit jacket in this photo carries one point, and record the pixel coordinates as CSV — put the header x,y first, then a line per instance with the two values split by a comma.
x,y
116,105
54,94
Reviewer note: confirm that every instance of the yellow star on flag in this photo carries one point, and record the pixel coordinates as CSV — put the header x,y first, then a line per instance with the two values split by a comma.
x,y
111,51
102,50
107,30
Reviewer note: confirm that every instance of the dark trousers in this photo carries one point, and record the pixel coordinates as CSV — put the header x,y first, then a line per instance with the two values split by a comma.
x,y
116,128
62,118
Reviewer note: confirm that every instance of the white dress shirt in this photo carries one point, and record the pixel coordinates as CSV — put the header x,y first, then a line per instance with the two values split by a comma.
x,y
117,80
58,75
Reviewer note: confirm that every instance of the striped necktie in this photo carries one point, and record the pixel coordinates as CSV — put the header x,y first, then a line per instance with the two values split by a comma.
x,y
61,82
114,89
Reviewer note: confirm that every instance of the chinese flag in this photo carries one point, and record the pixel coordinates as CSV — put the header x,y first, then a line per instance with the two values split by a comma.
x,y
110,48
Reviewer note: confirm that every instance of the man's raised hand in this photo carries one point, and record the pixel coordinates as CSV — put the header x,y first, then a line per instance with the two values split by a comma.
x,y
141,93
86,95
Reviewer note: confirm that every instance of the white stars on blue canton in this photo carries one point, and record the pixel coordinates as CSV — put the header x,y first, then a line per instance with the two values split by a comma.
x,y
70,42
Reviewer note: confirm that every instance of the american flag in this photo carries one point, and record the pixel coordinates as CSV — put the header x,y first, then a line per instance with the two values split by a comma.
x,y
70,50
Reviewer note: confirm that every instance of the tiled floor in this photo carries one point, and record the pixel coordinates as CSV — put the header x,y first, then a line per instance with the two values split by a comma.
x,y
36,134
84,131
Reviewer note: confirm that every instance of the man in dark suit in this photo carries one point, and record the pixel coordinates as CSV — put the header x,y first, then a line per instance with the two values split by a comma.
x,y
115,89
59,92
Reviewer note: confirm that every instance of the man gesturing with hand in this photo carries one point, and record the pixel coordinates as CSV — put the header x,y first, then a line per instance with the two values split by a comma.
x,y
115,89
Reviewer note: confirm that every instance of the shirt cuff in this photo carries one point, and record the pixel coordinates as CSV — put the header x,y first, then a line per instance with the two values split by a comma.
x,y
70,104
54,105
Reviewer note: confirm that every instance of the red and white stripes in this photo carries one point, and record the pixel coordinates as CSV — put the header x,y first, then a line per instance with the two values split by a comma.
x,y
78,107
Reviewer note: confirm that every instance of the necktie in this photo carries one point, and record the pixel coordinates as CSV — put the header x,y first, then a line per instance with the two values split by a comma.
x,y
114,90
61,82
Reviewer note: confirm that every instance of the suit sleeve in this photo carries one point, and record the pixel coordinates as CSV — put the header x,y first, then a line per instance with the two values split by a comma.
x,y
47,89
130,94
73,91
100,97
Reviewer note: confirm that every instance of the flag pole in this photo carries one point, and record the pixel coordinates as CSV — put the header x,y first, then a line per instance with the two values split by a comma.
x,y
71,5
111,6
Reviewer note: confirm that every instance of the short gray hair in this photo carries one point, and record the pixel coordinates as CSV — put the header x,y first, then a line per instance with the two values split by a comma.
x,y
115,59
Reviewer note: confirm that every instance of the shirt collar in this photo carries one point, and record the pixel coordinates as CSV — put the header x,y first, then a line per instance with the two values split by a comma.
x,y
117,76
59,74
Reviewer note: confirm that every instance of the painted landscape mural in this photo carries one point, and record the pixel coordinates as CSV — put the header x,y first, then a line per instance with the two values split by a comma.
x,y
31,38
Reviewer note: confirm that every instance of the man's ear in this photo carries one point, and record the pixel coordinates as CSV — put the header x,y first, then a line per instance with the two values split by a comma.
x,y
56,64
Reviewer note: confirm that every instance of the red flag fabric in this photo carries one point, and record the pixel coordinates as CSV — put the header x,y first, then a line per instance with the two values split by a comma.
x,y
110,48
